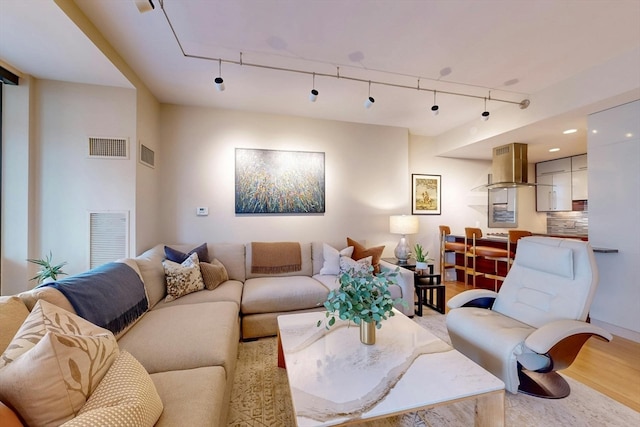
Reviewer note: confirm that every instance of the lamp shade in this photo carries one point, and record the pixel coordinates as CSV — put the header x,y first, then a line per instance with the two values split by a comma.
x,y
403,224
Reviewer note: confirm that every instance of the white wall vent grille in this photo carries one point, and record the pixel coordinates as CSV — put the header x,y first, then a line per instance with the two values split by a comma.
x,y
108,148
147,156
108,237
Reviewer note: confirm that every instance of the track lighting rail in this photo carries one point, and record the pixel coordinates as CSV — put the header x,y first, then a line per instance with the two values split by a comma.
x,y
522,104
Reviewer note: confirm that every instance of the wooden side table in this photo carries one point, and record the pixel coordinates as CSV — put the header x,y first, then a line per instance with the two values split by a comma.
x,y
429,287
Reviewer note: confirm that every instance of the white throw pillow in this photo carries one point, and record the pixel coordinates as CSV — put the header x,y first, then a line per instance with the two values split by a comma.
x,y
362,265
331,257
183,279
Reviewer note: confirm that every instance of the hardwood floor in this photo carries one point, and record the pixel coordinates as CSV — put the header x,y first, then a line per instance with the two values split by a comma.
x,y
612,368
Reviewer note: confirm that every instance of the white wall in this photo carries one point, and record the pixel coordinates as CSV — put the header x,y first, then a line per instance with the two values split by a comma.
x,y
366,172
461,206
68,183
614,209
17,206
146,223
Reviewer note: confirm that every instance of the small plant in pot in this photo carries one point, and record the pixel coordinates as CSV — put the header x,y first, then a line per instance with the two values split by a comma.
x,y
364,299
49,272
422,257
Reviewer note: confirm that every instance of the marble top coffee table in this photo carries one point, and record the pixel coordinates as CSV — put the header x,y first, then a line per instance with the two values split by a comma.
x,y
335,379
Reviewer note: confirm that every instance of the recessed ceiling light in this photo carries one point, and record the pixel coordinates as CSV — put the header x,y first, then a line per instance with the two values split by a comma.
x,y
594,131
568,131
628,135
553,150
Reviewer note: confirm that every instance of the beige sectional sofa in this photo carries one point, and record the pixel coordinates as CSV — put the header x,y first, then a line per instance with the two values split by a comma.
x,y
189,346
265,297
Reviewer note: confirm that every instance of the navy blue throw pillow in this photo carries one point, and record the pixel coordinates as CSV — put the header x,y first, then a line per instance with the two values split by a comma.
x,y
179,257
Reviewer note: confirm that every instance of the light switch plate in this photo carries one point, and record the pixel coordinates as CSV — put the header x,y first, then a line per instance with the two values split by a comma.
x,y
203,211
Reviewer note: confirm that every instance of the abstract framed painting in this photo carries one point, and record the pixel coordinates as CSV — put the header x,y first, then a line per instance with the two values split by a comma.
x,y
279,182
426,195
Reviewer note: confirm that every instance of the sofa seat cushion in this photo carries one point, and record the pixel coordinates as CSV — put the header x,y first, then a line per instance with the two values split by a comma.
x,y
489,339
266,324
330,281
231,291
192,397
271,294
185,337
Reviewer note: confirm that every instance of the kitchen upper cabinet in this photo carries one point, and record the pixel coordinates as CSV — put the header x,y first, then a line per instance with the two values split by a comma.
x,y
579,189
553,192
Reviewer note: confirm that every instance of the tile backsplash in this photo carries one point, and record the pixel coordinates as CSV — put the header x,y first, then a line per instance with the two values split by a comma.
x,y
575,223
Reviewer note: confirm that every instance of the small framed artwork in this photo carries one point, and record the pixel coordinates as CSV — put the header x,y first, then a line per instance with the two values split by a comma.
x,y
426,196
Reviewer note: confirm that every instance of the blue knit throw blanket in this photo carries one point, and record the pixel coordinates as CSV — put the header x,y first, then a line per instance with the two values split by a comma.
x,y
111,296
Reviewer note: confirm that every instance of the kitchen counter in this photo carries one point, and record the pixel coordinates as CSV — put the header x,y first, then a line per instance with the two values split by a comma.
x,y
499,240
502,237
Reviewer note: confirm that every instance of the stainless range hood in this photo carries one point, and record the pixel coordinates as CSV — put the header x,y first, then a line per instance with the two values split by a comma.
x,y
510,164
509,168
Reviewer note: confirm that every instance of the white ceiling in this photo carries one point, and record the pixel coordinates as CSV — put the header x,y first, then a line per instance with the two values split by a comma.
x,y
516,49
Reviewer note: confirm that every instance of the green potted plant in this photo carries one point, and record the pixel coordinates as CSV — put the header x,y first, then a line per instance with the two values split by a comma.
x,y
364,299
48,271
422,257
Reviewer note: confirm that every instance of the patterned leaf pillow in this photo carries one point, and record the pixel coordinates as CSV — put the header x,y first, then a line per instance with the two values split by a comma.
x,y
182,279
43,318
51,382
362,265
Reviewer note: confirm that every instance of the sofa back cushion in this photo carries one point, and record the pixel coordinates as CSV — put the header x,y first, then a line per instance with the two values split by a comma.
x,y
12,314
152,272
306,266
51,295
232,256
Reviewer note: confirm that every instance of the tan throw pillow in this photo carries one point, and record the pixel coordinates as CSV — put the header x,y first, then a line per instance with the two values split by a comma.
x,y
46,317
12,314
182,279
126,396
360,252
213,274
50,383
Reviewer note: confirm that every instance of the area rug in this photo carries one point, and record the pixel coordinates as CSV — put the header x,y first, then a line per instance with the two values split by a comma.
x,y
261,397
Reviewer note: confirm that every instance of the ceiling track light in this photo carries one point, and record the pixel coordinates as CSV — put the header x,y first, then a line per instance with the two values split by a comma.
x,y
369,102
314,93
218,80
522,104
485,113
435,110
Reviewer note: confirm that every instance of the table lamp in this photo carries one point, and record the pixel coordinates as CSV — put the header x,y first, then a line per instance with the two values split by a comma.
x,y
403,224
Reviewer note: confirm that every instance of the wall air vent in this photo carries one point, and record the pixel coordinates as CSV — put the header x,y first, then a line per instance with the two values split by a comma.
x,y
147,156
108,148
108,236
